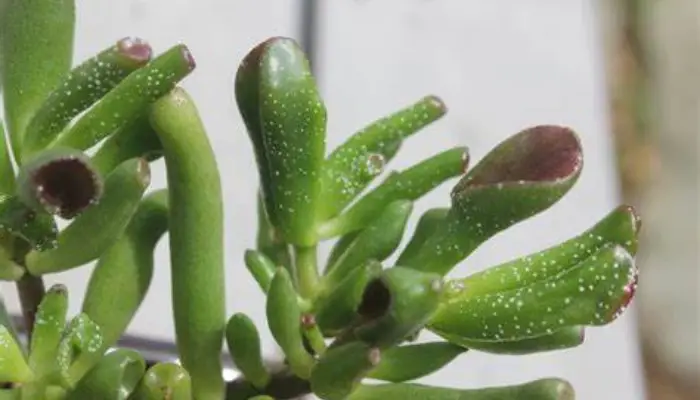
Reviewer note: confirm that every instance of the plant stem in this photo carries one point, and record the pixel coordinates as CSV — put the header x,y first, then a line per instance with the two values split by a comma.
x,y
31,291
283,385
307,270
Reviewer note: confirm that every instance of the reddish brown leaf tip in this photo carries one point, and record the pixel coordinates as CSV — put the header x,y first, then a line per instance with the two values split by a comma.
x,y
629,289
308,321
135,49
635,216
374,356
189,58
437,103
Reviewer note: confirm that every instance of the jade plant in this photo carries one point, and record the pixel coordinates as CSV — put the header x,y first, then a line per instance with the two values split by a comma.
x,y
79,142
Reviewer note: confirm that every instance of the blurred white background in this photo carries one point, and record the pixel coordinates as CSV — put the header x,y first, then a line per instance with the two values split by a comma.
x,y
500,66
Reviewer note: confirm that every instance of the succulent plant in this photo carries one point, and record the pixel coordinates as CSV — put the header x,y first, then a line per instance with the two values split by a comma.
x,y
79,143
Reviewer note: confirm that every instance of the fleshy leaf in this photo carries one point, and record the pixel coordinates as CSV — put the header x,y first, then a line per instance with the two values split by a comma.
x,y
135,139
291,121
129,99
521,177
244,346
354,164
32,33
125,269
7,170
260,267
10,270
164,381
269,240
37,228
48,330
284,322
409,184
619,227
79,349
81,88
114,377
340,370
339,248
565,338
593,293
61,181
396,305
405,363
427,224
375,242
13,367
541,389
336,307
99,227
196,233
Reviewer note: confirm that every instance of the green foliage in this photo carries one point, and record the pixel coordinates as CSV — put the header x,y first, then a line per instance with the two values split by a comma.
x,y
83,139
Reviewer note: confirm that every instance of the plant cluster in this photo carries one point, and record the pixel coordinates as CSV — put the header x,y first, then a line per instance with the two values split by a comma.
x,y
79,143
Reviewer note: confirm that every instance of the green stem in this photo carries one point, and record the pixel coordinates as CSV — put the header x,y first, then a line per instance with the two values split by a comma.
x,y
307,270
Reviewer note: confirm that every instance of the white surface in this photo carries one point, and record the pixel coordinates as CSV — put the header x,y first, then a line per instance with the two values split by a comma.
x,y
499,65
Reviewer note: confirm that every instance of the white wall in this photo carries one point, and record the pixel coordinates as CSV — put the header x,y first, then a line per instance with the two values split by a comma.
x,y
500,65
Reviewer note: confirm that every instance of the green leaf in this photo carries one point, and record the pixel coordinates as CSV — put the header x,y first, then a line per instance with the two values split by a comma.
x,y
521,177
130,99
79,349
60,181
593,293
269,241
196,241
124,271
565,338
281,94
114,377
100,226
135,139
354,164
37,228
9,269
7,171
405,363
260,267
37,51
339,248
619,227
410,184
375,242
13,367
340,369
396,305
284,322
336,307
6,321
81,88
427,224
541,389
164,381
48,330
244,346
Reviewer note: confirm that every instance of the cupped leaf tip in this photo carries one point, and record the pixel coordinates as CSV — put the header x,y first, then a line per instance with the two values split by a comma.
x,y
60,181
135,49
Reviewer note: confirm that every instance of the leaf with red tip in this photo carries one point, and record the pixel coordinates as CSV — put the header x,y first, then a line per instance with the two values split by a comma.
x,y
594,292
521,177
354,164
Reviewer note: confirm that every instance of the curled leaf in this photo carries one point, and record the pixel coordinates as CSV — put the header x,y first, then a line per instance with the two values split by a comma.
x,y
114,377
129,99
410,184
196,240
61,181
164,381
354,164
336,307
37,228
592,293
521,177
375,242
405,363
276,76
396,305
81,87
243,342
340,370
125,269
284,321
541,389
79,349
99,227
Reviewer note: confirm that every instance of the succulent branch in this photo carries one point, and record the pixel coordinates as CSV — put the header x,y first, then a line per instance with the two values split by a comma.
x,y
83,139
